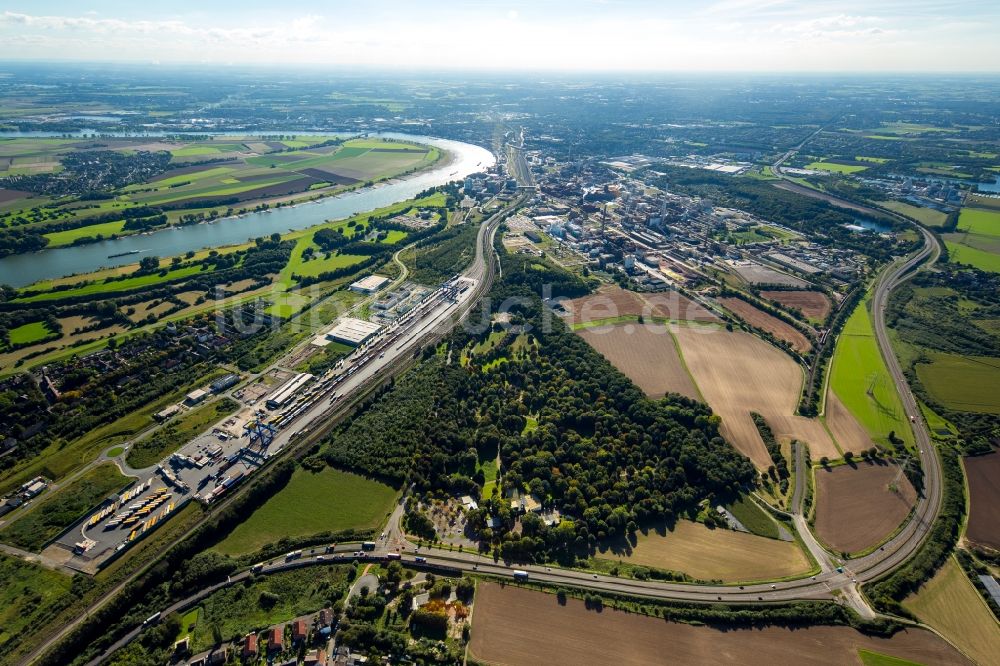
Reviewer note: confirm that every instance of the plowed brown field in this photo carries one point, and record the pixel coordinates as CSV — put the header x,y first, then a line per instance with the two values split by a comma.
x,y
855,509
983,473
812,304
845,428
766,322
739,373
646,354
612,301
514,626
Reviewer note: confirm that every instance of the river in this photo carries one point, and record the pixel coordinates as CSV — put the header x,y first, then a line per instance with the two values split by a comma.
x,y
463,159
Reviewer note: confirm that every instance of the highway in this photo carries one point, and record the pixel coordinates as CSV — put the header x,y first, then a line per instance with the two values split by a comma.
x,y
313,423
837,581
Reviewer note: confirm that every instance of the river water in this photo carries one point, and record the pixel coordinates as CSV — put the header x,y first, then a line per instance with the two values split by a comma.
x,y
23,269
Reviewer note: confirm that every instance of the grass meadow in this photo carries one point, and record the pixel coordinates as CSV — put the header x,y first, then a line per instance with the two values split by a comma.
x,y
312,503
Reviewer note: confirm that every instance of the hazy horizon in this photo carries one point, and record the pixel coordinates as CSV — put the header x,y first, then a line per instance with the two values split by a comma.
x,y
726,36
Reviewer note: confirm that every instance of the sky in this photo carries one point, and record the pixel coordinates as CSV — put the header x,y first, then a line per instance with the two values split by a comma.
x,y
544,35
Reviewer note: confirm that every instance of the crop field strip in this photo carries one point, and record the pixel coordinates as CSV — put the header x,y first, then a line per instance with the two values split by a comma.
x,y
714,554
520,627
950,604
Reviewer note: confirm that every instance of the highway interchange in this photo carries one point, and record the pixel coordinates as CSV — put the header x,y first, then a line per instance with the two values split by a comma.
x,y
836,580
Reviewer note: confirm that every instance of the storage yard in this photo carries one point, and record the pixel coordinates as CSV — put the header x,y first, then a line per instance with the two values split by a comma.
x,y
206,468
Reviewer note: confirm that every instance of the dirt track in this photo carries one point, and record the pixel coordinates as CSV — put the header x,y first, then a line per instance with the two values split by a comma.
x,y
739,373
514,626
644,353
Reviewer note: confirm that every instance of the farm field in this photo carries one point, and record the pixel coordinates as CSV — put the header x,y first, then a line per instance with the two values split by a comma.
x,y
813,304
738,373
255,172
58,509
861,381
611,302
513,626
764,321
950,604
983,475
646,353
963,383
834,167
127,284
979,221
849,434
714,554
856,508
928,216
961,252
311,503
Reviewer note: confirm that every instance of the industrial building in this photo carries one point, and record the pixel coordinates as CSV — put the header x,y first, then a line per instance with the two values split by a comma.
x,y
280,397
222,383
352,331
370,284
195,396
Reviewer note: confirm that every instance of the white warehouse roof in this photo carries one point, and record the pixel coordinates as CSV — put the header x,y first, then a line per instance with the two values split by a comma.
x,y
352,331
370,283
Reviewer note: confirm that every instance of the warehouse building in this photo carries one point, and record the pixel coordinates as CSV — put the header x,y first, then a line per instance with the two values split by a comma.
x,y
352,331
370,284
280,397
222,383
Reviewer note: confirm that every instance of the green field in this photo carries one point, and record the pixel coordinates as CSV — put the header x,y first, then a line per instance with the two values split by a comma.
x,y
56,511
928,216
980,221
873,160
60,238
312,503
860,379
28,333
113,286
963,383
964,254
26,594
869,658
836,168
150,450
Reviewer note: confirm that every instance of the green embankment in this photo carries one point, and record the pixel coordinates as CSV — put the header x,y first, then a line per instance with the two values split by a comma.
x,y
862,382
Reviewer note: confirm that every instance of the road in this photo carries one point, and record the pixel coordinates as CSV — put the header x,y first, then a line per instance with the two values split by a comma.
x,y
322,415
829,584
